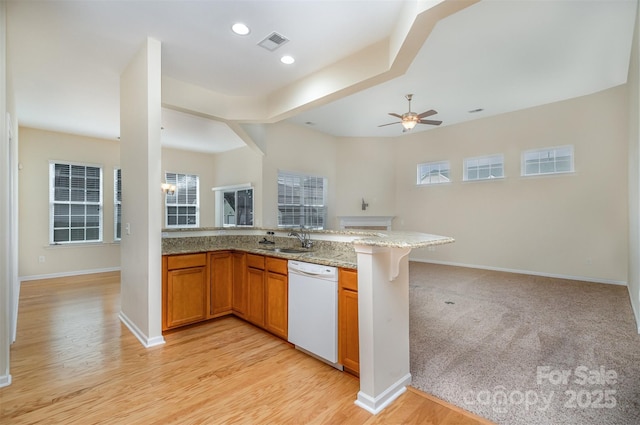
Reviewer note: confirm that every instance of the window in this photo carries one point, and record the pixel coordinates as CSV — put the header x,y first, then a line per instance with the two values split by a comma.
x,y
547,161
434,172
484,168
182,206
117,204
301,200
237,207
75,203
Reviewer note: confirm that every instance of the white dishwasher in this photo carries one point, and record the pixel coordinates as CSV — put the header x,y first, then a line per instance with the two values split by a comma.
x,y
313,309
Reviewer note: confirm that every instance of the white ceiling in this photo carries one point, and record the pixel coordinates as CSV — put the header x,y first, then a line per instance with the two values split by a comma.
x,y
65,59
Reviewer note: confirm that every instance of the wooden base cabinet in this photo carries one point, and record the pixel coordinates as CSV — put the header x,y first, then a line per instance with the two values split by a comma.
x,y
240,290
197,287
185,290
276,297
348,335
255,304
221,275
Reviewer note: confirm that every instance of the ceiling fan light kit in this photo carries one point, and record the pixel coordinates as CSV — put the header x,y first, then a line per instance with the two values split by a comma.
x,y
410,119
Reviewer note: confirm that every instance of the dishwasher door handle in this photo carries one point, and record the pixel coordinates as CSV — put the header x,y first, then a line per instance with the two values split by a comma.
x,y
303,273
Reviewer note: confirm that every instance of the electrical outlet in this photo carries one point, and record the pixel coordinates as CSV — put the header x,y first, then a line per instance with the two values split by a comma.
x,y
431,248
41,259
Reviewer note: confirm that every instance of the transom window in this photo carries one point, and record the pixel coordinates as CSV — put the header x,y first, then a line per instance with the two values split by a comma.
x,y
301,200
484,168
547,161
75,203
182,206
434,172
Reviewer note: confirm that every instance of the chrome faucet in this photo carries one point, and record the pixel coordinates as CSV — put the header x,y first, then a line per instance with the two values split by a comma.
x,y
303,237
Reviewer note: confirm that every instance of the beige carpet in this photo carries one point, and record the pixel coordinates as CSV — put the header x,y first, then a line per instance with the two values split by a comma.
x,y
519,349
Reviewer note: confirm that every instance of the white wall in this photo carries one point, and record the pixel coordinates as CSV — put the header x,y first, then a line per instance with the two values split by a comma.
x,y
365,169
634,173
567,225
297,149
36,149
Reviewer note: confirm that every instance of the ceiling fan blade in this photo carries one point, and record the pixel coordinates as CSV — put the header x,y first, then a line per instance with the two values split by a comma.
x,y
384,125
432,122
395,115
427,113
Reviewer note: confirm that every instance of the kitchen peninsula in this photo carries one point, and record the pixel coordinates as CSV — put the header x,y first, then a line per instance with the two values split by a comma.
x,y
381,261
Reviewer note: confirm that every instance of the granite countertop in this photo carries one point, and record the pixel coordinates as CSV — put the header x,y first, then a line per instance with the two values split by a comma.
x,y
403,240
343,256
326,252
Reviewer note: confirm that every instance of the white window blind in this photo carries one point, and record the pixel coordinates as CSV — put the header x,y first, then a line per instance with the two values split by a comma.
x,y
553,160
484,167
75,203
434,173
182,207
117,204
301,200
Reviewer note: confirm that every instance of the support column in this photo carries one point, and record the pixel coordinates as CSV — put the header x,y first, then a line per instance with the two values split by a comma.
x,y
140,161
5,222
383,319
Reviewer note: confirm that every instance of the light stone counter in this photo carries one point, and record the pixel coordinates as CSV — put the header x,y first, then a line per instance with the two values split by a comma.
x,y
329,253
331,247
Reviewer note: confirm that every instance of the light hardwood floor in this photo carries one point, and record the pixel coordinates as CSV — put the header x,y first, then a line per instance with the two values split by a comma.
x,y
75,363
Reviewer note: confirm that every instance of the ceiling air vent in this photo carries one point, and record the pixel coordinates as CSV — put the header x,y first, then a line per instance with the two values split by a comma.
x,y
273,41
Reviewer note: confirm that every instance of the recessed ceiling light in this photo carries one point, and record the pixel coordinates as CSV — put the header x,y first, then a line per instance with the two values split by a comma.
x,y
240,28
287,60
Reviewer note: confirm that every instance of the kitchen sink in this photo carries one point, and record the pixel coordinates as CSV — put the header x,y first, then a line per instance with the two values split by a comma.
x,y
293,250
286,250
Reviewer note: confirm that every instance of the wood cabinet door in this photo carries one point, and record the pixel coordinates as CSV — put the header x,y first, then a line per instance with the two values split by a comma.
x,y
240,291
277,304
186,296
348,335
221,275
255,298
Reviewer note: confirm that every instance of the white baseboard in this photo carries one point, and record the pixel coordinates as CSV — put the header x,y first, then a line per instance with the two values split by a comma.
x,y
376,404
5,380
67,274
529,272
144,340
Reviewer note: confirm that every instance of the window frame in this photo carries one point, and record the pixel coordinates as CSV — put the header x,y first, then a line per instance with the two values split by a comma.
x,y
169,197
489,158
308,212
421,182
220,204
548,150
117,204
53,202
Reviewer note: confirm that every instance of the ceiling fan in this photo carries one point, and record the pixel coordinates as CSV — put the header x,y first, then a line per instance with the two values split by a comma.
x,y
410,119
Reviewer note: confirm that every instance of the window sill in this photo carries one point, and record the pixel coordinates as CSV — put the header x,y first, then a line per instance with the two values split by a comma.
x,y
493,179
81,245
560,173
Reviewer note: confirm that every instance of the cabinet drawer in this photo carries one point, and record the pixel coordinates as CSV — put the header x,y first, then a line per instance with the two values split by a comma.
x,y
277,265
186,261
255,261
348,279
